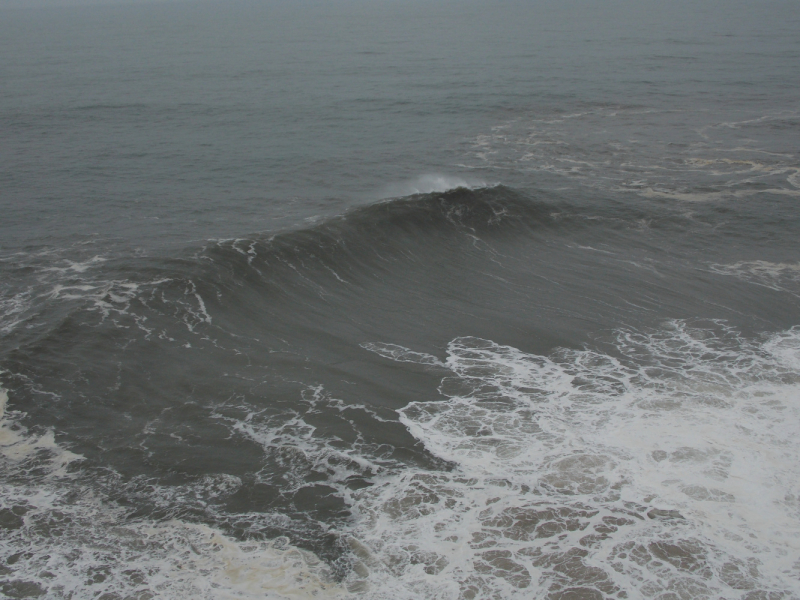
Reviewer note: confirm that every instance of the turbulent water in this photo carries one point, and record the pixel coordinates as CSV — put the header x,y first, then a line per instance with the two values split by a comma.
x,y
400,299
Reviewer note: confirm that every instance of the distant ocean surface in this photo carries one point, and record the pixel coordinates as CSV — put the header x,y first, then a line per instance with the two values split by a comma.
x,y
400,299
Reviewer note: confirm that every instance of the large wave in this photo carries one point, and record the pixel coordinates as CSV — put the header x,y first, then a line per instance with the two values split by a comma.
x,y
327,401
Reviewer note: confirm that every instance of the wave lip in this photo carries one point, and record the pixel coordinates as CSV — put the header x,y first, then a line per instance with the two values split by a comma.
x,y
430,183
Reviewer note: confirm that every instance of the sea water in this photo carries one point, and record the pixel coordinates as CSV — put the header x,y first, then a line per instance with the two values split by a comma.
x,y
400,299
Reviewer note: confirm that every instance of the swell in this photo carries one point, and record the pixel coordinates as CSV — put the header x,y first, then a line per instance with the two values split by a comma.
x,y
416,253
381,232
366,241
483,257
441,231
49,284
269,280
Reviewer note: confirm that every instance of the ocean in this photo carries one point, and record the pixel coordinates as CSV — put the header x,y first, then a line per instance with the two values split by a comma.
x,y
400,299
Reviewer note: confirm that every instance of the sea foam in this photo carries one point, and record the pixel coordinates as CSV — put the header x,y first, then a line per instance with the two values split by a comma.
x,y
663,464
62,539
664,467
